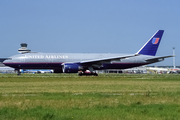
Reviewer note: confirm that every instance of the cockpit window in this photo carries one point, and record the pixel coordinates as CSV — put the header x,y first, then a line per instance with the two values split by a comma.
x,y
9,59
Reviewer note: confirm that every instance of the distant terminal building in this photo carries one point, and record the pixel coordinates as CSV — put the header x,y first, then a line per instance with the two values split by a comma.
x,y
23,48
145,70
4,69
1,64
139,70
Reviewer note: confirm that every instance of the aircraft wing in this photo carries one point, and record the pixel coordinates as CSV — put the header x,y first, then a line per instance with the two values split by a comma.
x,y
101,60
158,58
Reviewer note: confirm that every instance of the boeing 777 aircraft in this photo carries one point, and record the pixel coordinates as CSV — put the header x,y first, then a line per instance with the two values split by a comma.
x,y
75,62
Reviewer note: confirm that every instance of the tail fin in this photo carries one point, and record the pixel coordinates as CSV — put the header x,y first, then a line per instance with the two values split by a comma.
x,y
151,46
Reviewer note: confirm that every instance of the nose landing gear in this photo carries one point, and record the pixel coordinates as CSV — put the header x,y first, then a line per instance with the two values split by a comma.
x,y
18,71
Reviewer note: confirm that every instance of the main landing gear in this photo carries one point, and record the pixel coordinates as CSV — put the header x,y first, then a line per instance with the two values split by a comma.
x,y
18,71
87,73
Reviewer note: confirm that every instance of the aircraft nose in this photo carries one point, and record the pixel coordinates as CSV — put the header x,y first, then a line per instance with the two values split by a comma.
x,y
4,62
7,60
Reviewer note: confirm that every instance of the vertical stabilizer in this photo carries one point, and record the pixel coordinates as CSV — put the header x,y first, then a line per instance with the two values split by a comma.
x,y
151,46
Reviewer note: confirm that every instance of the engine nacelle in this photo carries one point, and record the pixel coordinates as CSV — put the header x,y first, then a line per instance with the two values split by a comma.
x,y
70,68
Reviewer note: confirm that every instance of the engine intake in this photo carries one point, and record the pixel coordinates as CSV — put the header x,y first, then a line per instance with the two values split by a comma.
x,y
71,68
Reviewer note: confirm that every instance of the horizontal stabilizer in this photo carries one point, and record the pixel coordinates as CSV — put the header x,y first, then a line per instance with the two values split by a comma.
x,y
158,58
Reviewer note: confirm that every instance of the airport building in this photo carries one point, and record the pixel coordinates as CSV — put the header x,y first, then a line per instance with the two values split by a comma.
x,y
23,48
5,69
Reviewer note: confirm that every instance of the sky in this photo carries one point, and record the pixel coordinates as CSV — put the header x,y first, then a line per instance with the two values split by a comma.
x,y
89,26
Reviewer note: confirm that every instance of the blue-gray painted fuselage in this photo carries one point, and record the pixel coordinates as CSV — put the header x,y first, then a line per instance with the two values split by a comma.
x,y
55,60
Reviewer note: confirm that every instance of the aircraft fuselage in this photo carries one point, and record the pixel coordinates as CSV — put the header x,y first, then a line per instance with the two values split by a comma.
x,y
55,60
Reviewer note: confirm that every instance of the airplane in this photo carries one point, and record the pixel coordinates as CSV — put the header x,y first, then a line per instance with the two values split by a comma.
x,y
80,62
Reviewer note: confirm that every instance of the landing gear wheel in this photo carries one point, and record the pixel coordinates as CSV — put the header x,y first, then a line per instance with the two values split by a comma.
x,y
95,74
87,74
80,74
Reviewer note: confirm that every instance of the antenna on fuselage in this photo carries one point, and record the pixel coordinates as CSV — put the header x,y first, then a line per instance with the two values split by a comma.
x,y
23,48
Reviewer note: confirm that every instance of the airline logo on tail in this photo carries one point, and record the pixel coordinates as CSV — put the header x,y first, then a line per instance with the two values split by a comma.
x,y
151,46
155,40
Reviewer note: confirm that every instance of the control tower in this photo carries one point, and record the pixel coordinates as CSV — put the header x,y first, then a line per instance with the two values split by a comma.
x,y
23,48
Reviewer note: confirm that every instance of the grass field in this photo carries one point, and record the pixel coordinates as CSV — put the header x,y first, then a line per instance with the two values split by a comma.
x,y
106,97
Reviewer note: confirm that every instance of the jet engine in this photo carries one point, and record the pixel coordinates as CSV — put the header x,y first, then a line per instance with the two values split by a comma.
x,y
70,68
